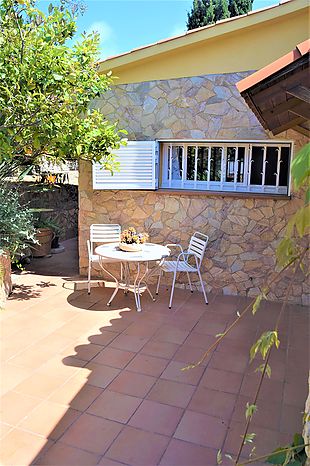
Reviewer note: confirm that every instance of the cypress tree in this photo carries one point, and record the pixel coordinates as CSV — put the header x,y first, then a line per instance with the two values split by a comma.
x,y
221,10
239,7
205,12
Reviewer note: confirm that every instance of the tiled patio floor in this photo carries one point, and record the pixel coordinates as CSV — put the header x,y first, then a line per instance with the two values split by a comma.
x,y
84,384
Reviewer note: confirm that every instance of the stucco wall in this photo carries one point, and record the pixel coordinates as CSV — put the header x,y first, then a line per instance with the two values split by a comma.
x,y
244,231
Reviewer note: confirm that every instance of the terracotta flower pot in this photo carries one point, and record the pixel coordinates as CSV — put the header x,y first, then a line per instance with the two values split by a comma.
x,y
44,236
5,278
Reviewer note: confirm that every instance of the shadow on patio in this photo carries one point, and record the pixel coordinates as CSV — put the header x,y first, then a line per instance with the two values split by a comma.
x,y
87,384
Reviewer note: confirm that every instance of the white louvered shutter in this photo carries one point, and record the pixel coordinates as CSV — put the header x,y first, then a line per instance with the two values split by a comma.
x,y
138,163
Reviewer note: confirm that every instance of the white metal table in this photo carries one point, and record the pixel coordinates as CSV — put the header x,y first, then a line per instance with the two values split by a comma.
x,y
149,252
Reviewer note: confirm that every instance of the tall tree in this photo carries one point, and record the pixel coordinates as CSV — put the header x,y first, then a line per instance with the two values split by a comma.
x,y
239,7
196,17
206,12
221,10
46,87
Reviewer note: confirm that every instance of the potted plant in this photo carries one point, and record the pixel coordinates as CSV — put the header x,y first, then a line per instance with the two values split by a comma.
x,y
131,240
47,229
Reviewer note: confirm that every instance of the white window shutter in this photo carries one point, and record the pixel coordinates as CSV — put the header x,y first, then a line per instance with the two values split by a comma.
x,y
137,168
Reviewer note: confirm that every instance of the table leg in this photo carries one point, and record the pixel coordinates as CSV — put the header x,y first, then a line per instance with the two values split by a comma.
x,y
114,278
136,289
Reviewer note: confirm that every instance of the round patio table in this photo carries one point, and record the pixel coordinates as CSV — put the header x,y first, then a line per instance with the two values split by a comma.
x,y
150,252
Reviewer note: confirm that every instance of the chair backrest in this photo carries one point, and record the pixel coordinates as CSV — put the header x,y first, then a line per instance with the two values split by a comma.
x,y
104,233
198,244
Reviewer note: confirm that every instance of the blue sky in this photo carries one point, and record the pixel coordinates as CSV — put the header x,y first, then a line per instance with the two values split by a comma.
x,y
127,24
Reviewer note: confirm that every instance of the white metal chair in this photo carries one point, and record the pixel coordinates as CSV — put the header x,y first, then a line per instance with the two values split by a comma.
x,y
100,233
196,249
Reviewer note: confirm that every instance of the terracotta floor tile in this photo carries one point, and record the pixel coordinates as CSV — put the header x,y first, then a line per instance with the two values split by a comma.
x,y
87,352
114,406
270,390
108,462
266,440
174,372
207,327
171,334
40,385
114,357
64,455
128,447
128,343
188,354
12,376
4,429
160,349
156,417
202,429
20,448
267,415
131,383
91,433
294,394
49,420
76,394
199,340
148,365
15,406
171,393
101,375
32,357
139,329
213,402
180,453
225,381
291,419
227,361
104,338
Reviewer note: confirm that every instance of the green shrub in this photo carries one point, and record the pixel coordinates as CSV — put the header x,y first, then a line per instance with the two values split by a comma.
x,y
16,224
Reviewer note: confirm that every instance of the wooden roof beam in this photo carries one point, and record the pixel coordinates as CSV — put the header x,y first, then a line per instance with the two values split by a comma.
x,y
290,124
301,111
282,107
300,92
302,130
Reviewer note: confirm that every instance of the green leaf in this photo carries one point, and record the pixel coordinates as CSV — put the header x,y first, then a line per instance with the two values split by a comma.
x,y
300,167
219,458
57,77
249,438
261,369
264,343
250,410
277,458
302,220
257,303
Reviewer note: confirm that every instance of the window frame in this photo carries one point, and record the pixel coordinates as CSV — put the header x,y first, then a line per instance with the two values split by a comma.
x,y
224,186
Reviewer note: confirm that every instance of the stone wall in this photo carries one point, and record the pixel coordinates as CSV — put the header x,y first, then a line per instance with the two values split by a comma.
x,y
208,107
63,199
244,230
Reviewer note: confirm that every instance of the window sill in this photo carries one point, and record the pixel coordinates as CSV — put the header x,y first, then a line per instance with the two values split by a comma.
x,y
240,195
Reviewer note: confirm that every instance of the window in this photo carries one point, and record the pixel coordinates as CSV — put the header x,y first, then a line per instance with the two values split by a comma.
x,y
261,167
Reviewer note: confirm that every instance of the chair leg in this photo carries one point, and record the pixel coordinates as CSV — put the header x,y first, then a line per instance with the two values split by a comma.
x,y
158,281
203,287
172,288
189,282
88,280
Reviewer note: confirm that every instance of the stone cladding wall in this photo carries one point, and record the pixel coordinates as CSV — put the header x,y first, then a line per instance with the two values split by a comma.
x,y
63,199
196,107
244,230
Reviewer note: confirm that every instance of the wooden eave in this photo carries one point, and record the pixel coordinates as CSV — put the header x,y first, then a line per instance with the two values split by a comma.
x,y
279,94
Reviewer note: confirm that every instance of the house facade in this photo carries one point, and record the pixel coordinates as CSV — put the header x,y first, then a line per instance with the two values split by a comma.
x,y
201,160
